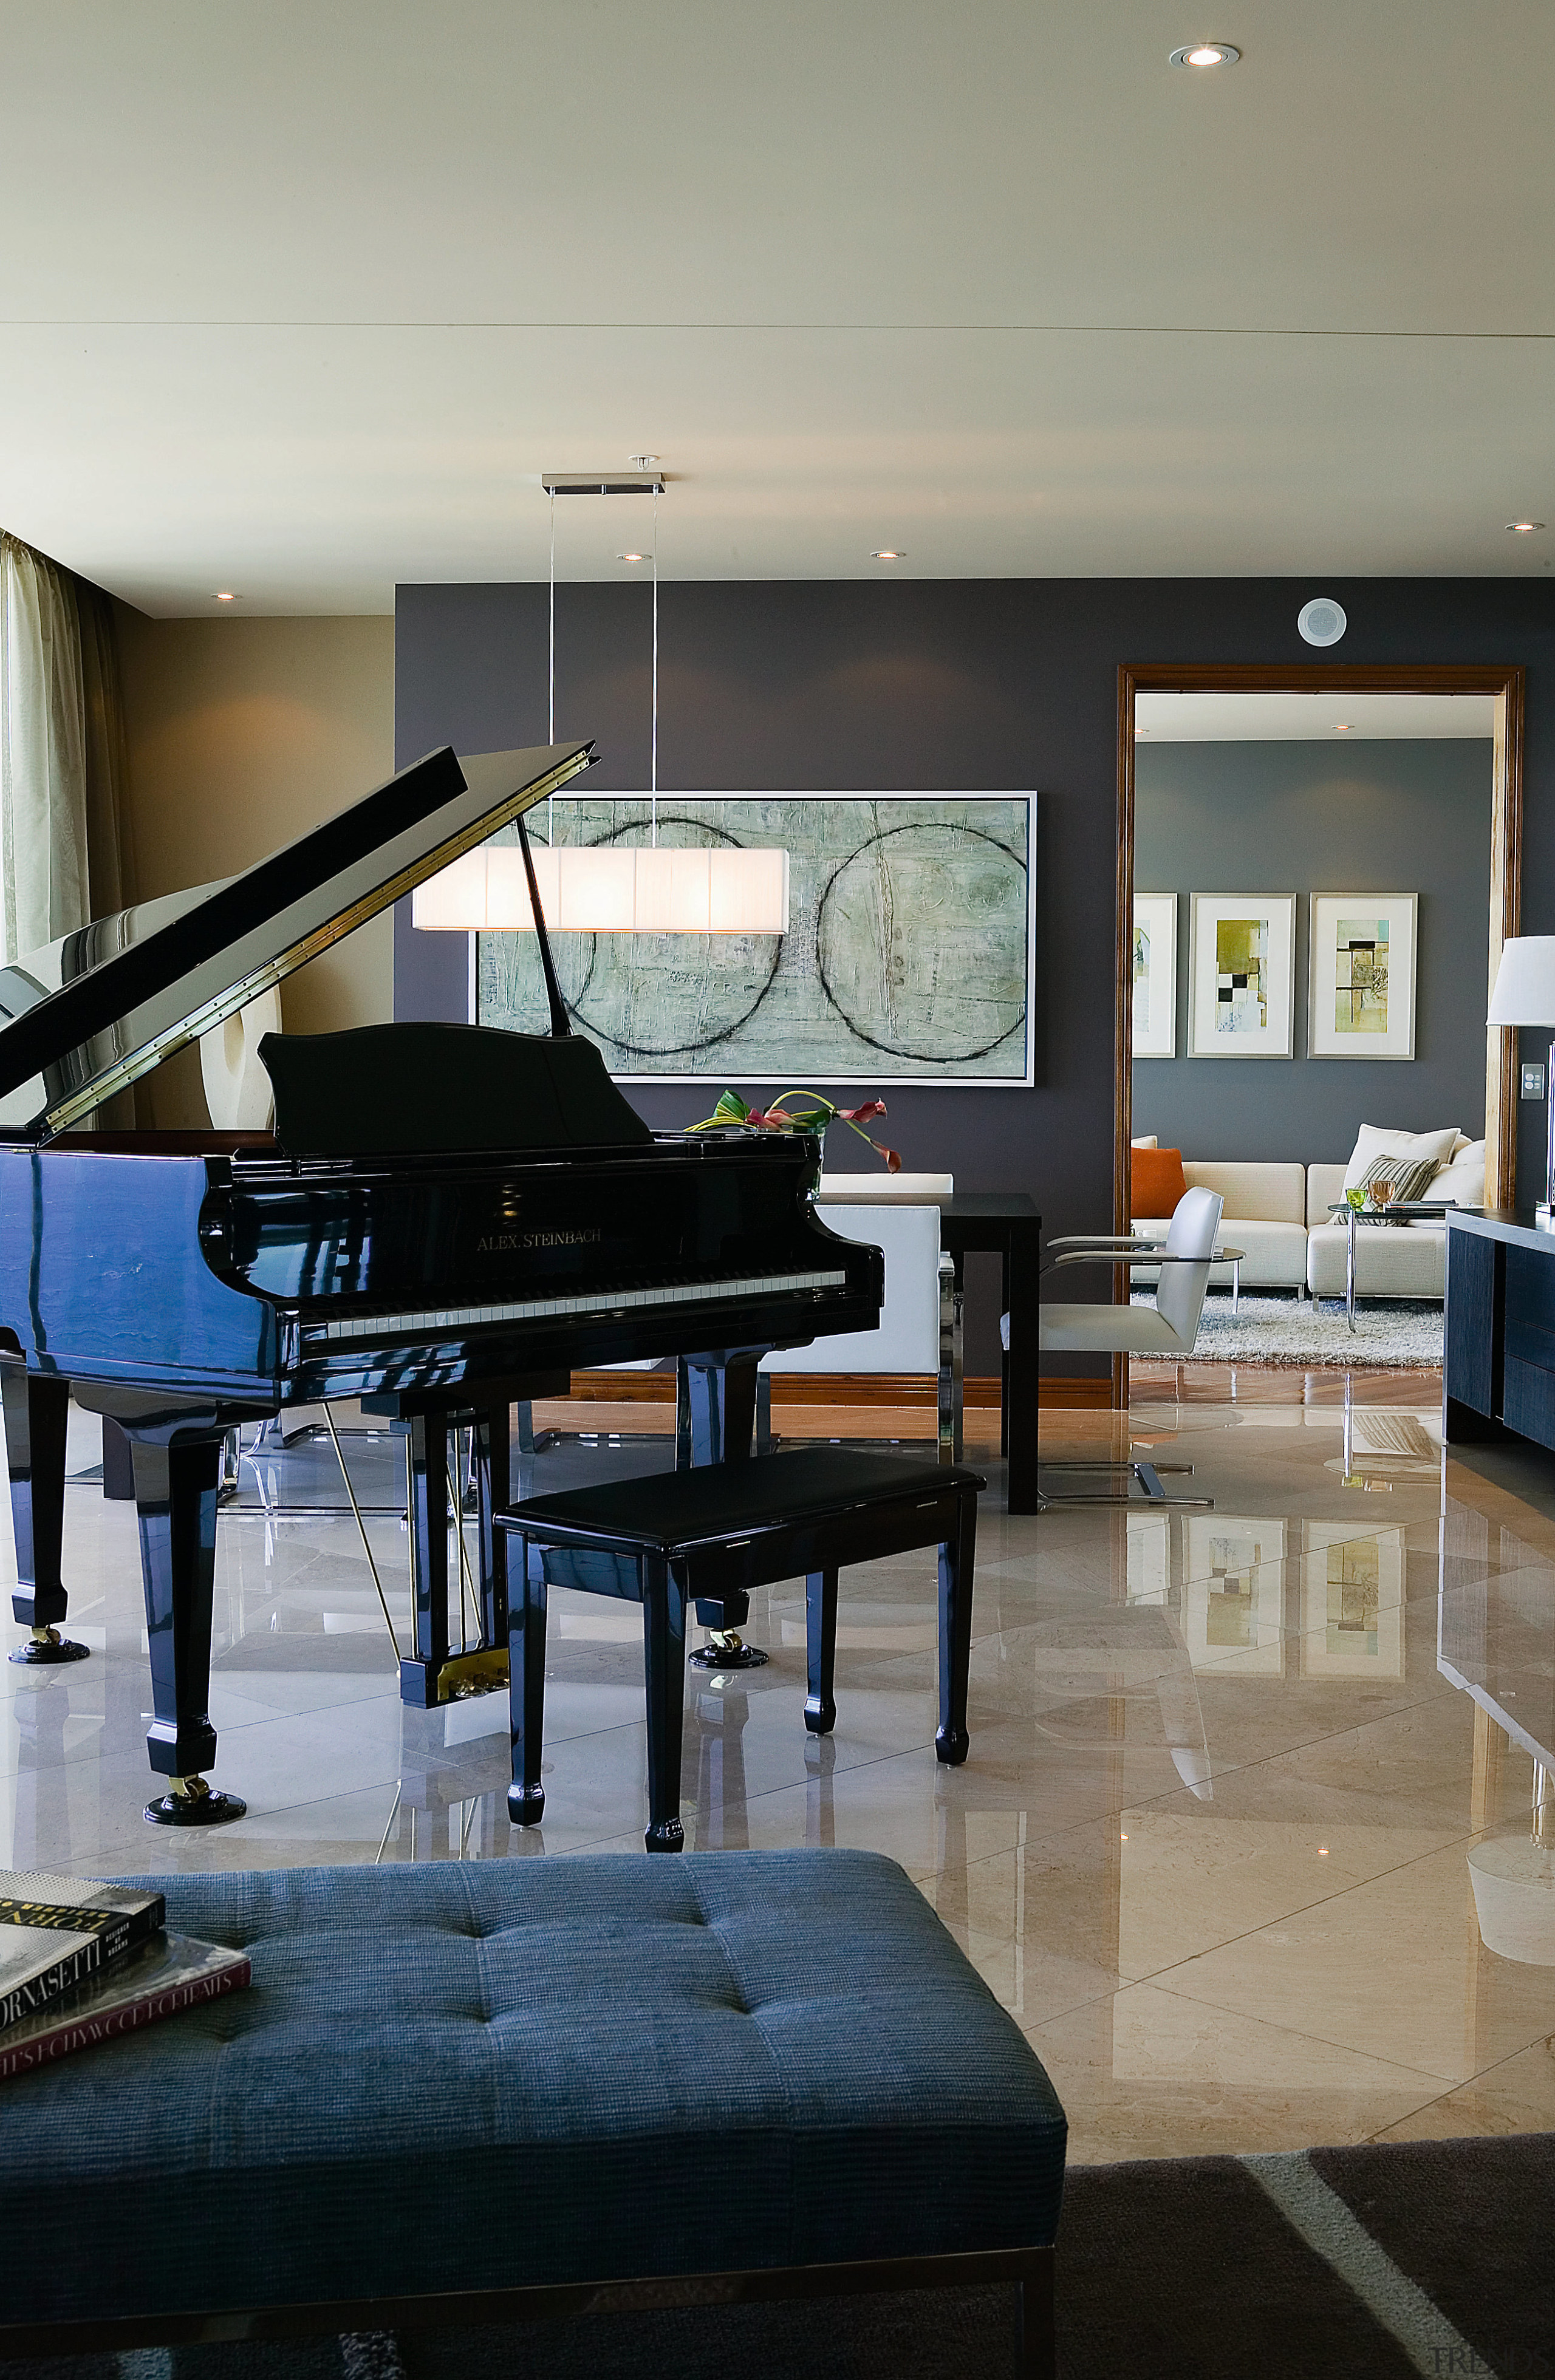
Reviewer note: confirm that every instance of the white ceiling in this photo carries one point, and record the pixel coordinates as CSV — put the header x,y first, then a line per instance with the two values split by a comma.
x,y
300,299
1310,718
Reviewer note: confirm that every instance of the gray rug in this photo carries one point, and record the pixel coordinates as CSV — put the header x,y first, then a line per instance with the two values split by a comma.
x,y
1358,2263
1391,1333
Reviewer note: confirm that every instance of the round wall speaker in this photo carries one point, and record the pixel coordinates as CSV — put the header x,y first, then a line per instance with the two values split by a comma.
x,y
1322,620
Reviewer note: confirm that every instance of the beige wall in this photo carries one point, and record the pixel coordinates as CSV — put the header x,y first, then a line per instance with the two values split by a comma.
x,y
243,734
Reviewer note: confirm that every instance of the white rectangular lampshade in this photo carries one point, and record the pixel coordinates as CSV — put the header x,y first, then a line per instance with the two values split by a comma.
x,y
1525,992
485,892
749,892
673,892
609,888
598,889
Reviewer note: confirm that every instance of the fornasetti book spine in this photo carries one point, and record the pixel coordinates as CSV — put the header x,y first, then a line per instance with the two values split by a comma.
x,y
161,1979
58,1931
119,1917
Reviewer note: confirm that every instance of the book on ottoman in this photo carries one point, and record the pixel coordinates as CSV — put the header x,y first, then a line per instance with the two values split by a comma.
x,y
58,1931
164,1977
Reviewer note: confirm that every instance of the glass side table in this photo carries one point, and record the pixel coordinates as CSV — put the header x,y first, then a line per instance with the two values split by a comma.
x,y
1416,1209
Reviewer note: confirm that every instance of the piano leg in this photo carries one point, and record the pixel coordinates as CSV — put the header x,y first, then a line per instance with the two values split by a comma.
x,y
37,1410
715,1423
716,1397
177,1474
526,1679
663,1655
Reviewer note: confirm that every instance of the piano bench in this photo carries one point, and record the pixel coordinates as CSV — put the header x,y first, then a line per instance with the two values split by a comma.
x,y
482,2091
710,1536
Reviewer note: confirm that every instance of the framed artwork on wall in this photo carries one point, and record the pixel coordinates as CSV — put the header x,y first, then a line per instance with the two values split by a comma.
x,y
1361,970
1242,975
1155,975
910,955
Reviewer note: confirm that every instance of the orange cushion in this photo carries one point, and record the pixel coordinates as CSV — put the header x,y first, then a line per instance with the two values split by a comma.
x,y
1157,1182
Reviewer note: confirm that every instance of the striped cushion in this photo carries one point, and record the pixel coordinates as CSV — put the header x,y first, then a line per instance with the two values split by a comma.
x,y
1409,1175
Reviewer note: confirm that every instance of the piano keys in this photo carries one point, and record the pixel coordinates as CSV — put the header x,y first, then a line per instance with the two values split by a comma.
x,y
446,1220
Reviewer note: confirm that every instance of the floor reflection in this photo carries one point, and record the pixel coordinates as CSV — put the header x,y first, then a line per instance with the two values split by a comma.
x,y
1240,1780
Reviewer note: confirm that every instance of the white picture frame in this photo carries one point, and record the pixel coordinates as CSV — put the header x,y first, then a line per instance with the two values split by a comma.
x,y
1242,976
1154,974
1234,1572
786,1008
1352,1601
1350,1013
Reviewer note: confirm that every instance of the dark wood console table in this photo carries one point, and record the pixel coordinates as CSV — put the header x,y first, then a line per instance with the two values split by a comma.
x,y
1006,1223
1499,1363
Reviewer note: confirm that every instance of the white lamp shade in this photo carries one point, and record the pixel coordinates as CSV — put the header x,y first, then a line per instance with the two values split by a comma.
x,y
1525,992
485,892
609,888
598,889
749,892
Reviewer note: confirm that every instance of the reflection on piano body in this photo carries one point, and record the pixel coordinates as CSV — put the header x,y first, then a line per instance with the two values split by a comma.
x,y
446,1220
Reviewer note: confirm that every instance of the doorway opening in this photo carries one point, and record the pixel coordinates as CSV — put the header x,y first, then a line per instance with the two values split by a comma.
x,y
1283,1011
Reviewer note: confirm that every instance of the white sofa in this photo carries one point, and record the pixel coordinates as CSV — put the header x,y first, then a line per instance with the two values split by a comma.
x,y
1391,1259
1279,1215
1265,1214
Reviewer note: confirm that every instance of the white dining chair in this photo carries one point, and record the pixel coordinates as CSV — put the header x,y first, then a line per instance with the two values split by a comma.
x,y
920,1321
1169,1328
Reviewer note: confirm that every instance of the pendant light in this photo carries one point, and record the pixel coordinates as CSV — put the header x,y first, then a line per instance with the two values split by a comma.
x,y
610,888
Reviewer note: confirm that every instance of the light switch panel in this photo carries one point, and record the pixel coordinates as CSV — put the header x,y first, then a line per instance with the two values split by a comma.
x,y
1533,1081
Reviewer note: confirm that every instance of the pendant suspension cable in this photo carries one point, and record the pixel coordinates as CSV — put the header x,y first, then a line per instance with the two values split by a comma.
x,y
653,754
551,678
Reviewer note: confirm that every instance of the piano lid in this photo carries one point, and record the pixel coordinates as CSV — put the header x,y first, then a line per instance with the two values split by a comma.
x,y
91,1013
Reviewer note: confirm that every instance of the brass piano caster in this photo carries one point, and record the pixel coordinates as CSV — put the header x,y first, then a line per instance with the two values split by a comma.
x,y
726,1649
191,1803
45,1648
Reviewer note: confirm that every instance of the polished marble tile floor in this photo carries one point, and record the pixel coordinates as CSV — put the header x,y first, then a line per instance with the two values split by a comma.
x,y
1211,1846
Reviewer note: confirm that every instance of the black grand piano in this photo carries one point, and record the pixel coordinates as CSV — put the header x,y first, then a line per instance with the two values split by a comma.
x,y
444,1221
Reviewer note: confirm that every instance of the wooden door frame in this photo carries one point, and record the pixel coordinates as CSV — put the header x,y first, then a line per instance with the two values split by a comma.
x,y
1506,688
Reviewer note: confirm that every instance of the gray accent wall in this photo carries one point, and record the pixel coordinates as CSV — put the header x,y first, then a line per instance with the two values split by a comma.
x,y
906,684
1305,818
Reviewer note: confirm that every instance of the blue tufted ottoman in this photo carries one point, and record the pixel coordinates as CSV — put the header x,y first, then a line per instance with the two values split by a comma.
x,y
553,2080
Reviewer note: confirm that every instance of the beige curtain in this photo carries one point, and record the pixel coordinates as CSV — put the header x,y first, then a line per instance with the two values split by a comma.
x,y
110,857
44,884
63,854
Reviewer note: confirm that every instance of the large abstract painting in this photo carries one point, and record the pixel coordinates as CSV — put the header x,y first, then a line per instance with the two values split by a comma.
x,y
1362,975
908,956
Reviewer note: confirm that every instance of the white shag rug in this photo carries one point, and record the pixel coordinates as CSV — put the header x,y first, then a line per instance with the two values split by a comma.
x,y
1272,1330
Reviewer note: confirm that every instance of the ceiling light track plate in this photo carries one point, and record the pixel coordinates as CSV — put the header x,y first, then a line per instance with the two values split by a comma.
x,y
603,483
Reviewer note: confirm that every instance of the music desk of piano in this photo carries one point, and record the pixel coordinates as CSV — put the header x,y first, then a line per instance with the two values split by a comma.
x,y
446,1220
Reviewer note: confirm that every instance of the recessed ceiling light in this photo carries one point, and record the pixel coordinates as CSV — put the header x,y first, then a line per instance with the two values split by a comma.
x,y
1521,529
631,557
1205,53
1344,726
224,598
888,553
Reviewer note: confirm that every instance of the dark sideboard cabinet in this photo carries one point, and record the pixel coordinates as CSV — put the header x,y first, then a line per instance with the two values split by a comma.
x,y
1498,1367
